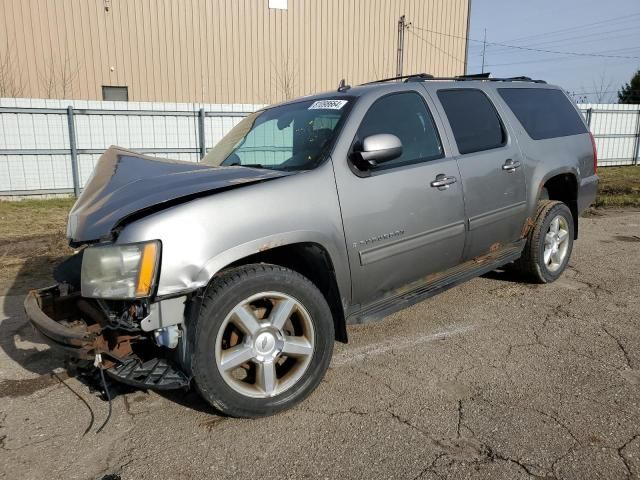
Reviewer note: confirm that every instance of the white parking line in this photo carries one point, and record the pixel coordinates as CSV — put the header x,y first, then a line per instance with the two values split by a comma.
x,y
397,344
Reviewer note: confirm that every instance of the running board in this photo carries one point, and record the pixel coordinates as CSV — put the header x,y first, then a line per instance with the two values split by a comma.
x,y
436,283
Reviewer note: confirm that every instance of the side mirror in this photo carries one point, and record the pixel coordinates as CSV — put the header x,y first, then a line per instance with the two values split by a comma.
x,y
378,149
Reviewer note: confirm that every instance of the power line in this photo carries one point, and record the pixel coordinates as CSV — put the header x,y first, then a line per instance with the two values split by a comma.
x,y
555,69
579,54
570,36
540,60
603,91
586,44
434,45
589,37
609,21
553,59
556,59
583,40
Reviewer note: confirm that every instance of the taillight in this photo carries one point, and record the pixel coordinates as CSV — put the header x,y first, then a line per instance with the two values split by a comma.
x,y
595,153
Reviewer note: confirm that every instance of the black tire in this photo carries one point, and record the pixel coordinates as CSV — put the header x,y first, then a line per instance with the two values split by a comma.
x,y
531,264
222,295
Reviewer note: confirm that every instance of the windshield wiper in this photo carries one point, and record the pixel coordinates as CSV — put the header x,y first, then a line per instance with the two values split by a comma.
x,y
250,165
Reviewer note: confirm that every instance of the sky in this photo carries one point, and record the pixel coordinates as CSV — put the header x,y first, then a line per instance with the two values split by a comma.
x,y
606,28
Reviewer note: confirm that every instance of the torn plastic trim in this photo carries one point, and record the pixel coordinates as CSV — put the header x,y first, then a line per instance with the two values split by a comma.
x,y
164,314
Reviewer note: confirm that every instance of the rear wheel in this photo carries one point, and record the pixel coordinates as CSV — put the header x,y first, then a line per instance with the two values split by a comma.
x,y
263,340
549,243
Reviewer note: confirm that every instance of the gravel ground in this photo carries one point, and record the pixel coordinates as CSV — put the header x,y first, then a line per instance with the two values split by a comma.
x,y
492,379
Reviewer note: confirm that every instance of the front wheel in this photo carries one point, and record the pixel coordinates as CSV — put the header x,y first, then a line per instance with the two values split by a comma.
x,y
549,244
263,340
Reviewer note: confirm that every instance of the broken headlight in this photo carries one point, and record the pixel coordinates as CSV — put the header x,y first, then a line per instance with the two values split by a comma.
x,y
120,271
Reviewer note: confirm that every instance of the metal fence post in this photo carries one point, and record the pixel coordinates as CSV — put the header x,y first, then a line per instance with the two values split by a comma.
x,y
636,148
589,113
74,151
201,139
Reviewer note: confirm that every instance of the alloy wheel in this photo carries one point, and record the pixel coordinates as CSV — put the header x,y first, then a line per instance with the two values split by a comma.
x,y
265,345
556,243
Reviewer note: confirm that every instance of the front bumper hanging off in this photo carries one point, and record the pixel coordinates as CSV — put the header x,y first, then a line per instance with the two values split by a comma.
x,y
72,324
69,331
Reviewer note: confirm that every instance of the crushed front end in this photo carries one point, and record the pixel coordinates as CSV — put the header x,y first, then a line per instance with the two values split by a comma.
x,y
134,340
108,305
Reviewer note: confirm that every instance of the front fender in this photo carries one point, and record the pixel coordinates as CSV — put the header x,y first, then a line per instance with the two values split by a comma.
x,y
201,237
223,259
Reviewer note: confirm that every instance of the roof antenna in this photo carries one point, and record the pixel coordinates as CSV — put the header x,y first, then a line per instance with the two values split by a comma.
x,y
343,87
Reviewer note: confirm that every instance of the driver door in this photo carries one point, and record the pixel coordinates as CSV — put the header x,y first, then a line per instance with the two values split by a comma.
x,y
400,223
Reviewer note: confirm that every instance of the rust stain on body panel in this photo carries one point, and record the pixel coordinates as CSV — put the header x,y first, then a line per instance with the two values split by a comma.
x,y
526,228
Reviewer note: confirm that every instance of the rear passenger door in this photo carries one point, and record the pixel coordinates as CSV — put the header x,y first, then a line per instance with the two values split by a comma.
x,y
491,167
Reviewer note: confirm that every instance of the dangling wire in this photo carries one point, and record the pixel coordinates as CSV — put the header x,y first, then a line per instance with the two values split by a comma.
x,y
88,429
106,391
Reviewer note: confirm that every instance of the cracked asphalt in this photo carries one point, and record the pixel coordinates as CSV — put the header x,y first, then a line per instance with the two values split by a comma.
x,y
492,379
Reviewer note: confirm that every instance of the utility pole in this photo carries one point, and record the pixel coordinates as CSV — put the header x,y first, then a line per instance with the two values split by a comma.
x,y
401,27
484,47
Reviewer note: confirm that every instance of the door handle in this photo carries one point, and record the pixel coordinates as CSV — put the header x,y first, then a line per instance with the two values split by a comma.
x,y
442,181
510,165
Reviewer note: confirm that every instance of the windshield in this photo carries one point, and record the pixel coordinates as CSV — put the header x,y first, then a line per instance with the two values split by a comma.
x,y
290,137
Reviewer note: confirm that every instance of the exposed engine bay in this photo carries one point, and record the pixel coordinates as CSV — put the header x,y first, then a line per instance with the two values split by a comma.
x,y
121,335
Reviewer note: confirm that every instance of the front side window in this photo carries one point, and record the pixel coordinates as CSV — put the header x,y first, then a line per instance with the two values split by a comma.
x,y
404,115
289,137
474,120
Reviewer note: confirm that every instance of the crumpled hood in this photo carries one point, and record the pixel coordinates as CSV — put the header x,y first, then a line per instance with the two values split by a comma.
x,y
124,183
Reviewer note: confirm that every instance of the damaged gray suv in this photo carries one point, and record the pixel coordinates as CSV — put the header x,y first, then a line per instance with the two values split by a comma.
x,y
236,275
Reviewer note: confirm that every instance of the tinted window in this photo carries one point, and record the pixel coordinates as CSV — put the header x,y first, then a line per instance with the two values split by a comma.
x,y
404,115
473,118
544,113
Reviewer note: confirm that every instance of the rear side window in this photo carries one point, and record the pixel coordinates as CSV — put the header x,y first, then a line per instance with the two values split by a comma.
x,y
404,115
474,120
544,113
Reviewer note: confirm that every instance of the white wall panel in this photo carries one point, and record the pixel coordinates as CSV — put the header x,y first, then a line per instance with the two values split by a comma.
x,y
49,131
614,127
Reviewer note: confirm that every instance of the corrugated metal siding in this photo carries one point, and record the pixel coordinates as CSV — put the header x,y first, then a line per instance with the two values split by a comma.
x,y
222,51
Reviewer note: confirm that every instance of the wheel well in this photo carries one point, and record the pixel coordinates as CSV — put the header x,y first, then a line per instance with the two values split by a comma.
x,y
314,262
564,188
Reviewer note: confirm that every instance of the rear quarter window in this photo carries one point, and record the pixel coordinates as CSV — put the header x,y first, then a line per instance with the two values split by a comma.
x,y
544,113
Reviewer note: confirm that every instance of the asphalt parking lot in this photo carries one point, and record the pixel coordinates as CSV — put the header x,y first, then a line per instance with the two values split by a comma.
x,y
492,379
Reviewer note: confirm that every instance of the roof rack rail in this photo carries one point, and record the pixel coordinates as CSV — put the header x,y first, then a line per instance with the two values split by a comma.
x,y
483,77
417,76
491,79
477,76
420,77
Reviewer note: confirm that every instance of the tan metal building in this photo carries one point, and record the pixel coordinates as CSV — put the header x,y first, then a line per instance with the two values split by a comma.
x,y
220,51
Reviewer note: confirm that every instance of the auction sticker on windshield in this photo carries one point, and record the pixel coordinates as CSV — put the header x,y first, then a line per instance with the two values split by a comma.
x,y
328,104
